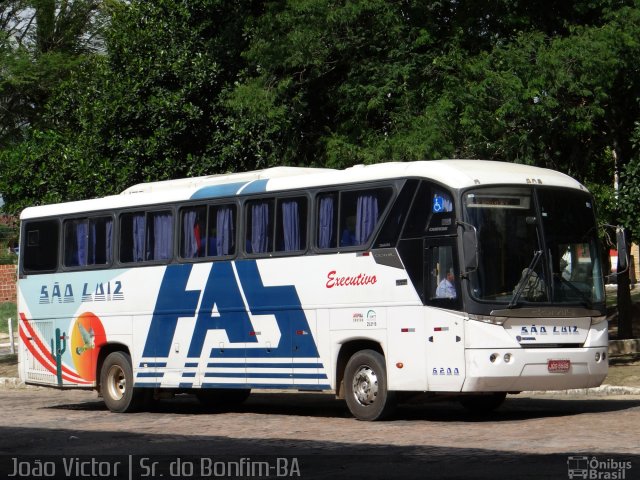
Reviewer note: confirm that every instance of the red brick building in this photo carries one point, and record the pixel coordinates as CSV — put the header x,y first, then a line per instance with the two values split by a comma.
x,y
7,283
8,239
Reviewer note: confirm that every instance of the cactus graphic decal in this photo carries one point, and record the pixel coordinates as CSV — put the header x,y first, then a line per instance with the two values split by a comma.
x,y
58,351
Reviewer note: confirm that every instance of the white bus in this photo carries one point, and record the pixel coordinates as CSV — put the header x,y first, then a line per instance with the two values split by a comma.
x,y
459,277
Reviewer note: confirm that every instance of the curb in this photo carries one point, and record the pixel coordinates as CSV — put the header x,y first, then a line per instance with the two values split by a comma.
x,y
11,382
602,390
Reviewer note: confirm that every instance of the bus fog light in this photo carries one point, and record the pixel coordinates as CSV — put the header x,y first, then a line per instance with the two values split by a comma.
x,y
493,357
507,357
604,356
597,356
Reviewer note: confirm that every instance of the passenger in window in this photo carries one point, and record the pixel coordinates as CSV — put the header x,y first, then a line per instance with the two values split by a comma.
x,y
446,289
348,237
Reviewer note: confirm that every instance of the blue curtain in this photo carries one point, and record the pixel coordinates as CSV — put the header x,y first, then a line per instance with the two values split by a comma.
x,y
108,240
259,227
189,240
325,222
81,243
162,234
224,231
138,237
93,242
291,225
366,217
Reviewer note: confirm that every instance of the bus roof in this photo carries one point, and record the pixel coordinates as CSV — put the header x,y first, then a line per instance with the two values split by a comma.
x,y
453,173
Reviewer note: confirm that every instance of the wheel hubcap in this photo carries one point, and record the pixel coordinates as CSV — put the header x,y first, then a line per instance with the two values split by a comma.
x,y
116,382
365,385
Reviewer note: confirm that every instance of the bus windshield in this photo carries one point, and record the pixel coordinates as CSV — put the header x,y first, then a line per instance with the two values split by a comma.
x,y
535,245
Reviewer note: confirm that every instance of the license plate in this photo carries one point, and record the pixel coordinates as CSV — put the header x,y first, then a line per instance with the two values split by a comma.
x,y
558,366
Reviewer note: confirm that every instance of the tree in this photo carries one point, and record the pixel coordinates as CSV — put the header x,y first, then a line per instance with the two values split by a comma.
x,y
41,41
149,108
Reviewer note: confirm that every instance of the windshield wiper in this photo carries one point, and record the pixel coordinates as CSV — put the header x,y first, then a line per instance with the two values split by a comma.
x,y
570,284
523,282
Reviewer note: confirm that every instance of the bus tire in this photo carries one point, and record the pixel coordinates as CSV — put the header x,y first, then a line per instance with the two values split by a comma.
x,y
483,404
366,393
222,397
116,384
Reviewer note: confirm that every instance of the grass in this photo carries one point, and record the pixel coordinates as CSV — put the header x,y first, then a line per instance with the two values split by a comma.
x,y
612,297
8,310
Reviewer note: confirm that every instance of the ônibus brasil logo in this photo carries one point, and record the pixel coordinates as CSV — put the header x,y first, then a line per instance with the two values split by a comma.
x,y
594,468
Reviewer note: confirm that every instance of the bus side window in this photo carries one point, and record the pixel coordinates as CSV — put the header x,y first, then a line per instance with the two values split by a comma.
x,y
146,236
88,241
432,213
291,224
40,253
360,212
259,226
359,215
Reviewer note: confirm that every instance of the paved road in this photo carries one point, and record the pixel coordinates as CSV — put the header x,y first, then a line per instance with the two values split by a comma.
x,y
529,437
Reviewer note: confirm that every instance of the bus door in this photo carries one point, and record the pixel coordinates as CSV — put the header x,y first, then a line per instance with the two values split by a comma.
x,y
443,319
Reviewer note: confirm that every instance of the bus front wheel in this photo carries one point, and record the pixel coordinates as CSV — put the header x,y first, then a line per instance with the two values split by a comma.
x,y
365,380
116,384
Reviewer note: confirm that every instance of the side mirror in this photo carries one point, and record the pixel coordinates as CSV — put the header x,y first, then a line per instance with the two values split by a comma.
x,y
623,254
469,247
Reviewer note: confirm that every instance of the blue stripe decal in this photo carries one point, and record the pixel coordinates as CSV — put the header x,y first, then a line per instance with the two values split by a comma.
x,y
191,365
147,384
256,186
185,385
150,374
216,191
264,365
266,386
267,375
189,374
257,353
152,364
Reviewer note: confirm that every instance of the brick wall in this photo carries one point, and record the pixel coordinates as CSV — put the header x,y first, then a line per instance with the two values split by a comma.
x,y
7,283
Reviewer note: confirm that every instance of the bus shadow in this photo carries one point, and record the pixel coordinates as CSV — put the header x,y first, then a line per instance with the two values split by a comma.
x,y
327,406
137,452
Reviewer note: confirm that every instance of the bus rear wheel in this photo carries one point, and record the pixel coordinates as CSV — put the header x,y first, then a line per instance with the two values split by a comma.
x,y
116,384
366,393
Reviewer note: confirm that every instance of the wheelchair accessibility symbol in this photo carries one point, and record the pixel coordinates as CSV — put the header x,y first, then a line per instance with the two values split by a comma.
x,y
440,204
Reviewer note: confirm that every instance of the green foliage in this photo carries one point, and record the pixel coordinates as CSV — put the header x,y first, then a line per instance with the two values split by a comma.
x,y
8,310
630,197
41,42
172,89
8,242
